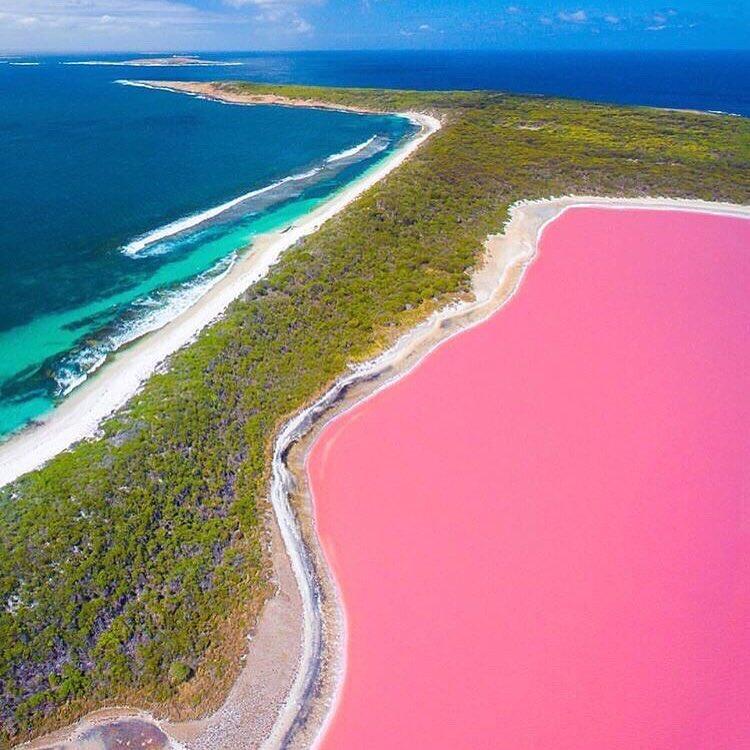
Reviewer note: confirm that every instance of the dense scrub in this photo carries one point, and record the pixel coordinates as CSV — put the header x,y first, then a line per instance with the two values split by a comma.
x,y
123,560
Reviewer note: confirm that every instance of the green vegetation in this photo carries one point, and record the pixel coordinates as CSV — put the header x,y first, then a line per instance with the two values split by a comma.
x,y
128,564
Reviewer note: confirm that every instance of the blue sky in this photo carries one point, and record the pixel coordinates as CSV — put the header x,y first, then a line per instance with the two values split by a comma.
x,y
151,25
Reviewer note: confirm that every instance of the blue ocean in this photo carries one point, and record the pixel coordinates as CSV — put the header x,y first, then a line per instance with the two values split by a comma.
x,y
120,205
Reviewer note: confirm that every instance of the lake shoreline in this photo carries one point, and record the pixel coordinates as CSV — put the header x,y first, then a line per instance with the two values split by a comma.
x,y
374,540
507,257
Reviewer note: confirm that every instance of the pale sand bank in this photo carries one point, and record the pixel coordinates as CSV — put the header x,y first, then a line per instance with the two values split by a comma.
x,y
216,93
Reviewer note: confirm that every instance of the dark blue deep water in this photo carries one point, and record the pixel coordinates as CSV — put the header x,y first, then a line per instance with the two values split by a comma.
x,y
88,168
707,80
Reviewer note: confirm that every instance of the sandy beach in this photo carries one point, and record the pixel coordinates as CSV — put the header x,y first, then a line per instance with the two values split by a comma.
x,y
216,93
79,415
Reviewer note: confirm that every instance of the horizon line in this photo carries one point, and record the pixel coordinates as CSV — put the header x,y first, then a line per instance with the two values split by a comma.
x,y
424,50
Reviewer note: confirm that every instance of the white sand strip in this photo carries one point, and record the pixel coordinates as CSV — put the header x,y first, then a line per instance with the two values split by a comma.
x,y
80,415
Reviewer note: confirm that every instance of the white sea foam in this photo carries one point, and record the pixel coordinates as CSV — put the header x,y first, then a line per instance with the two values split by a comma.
x,y
25,64
69,378
134,84
722,112
159,87
351,151
151,314
175,227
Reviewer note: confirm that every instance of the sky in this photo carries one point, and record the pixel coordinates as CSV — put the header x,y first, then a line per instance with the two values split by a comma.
x,y
170,25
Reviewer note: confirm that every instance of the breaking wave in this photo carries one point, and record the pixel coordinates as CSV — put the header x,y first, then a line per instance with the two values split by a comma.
x,y
194,220
365,150
144,316
351,151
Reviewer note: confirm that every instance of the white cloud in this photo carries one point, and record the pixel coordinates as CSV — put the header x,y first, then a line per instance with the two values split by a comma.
x,y
283,13
301,26
83,13
660,20
612,19
148,24
576,16
423,28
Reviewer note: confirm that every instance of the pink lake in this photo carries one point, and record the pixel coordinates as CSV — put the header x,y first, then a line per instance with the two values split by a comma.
x,y
541,534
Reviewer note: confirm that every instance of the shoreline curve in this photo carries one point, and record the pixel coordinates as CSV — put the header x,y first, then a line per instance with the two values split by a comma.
x,y
508,256
108,389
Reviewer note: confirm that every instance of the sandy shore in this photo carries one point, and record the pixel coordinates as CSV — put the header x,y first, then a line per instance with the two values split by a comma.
x,y
79,415
214,92
289,686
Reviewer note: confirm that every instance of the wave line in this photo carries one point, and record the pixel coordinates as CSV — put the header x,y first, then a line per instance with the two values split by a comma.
x,y
168,230
351,151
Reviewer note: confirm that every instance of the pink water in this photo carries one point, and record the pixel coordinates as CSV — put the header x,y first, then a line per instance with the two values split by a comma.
x,y
541,534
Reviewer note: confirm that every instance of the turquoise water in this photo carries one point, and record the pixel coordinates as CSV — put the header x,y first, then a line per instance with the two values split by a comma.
x,y
95,176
